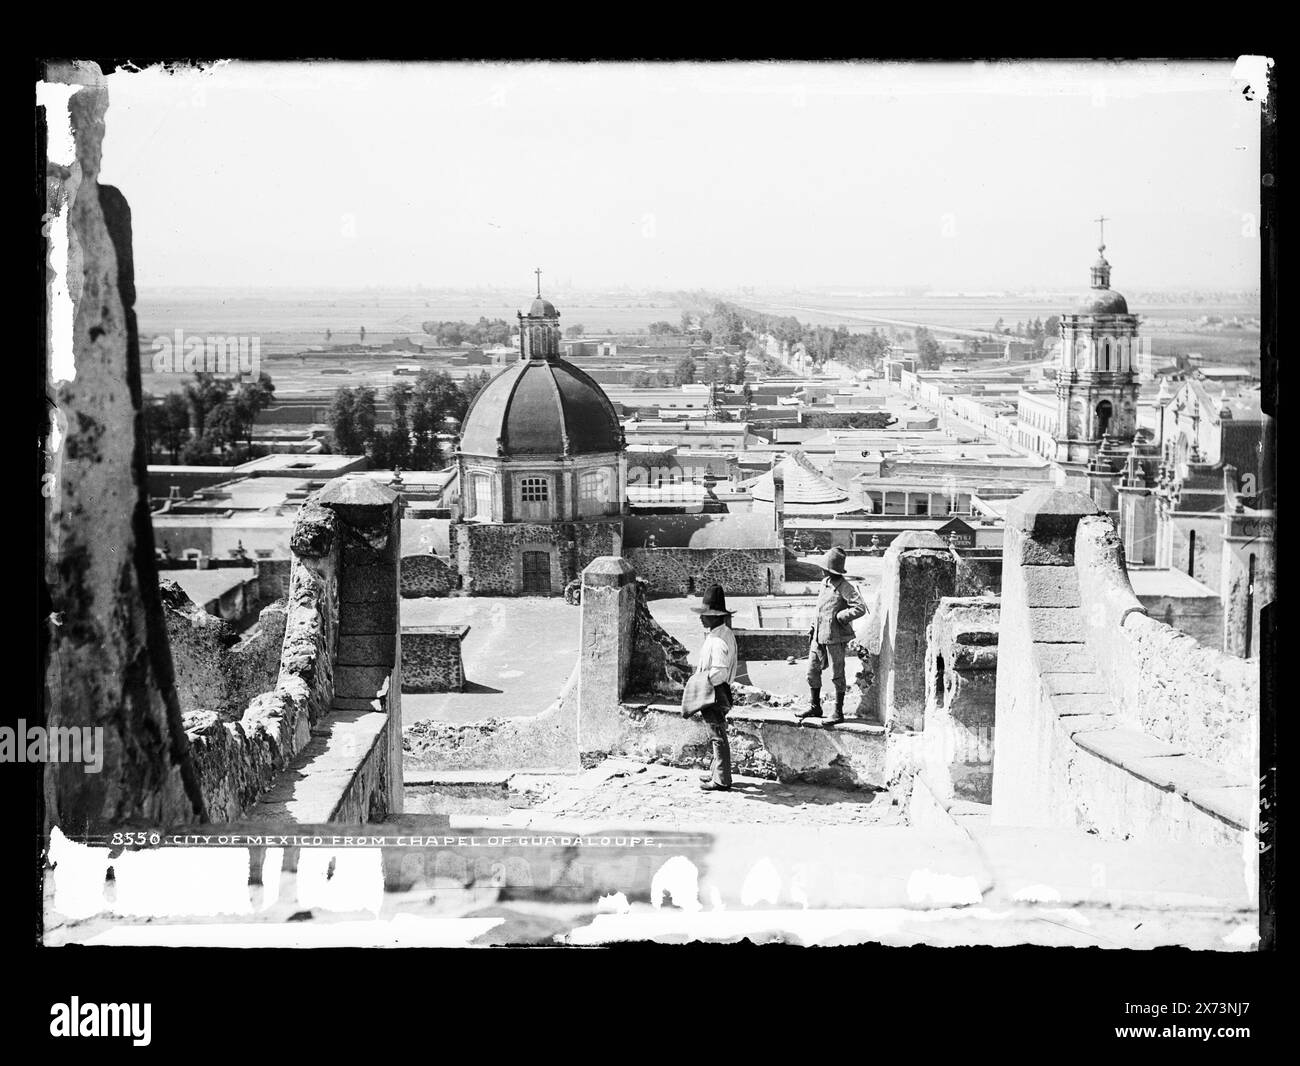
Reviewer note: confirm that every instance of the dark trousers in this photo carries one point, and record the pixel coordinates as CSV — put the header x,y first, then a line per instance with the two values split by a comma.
x,y
716,719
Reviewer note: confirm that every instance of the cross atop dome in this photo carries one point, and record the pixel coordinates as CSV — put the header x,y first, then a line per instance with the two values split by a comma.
x,y
538,272
1101,268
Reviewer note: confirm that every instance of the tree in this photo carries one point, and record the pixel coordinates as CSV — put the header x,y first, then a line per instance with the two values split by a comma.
x,y
928,349
688,322
223,429
1052,327
576,330
252,397
659,329
684,371
365,414
205,393
435,398
327,336
343,423
472,385
640,380
399,444
363,334
168,423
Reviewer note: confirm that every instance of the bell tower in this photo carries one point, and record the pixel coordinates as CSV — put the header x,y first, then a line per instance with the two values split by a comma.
x,y
1097,381
539,330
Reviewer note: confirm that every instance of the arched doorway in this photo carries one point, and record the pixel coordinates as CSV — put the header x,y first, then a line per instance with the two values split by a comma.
x,y
1104,413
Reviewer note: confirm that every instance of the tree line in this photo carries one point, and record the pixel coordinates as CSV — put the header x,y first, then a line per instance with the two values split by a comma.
x,y
484,333
207,422
421,410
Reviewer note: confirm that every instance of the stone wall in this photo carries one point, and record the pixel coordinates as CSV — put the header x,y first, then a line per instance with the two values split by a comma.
x,y
428,575
765,645
543,742
660,663
104,652
961,690
238,759
273,579
216,670
765,743
339,682
431,658
1200,617
683,571
489,556
1107,719
919,571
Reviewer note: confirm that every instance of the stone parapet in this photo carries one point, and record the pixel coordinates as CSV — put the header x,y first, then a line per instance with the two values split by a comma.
x,y
341,657
765,742
1106,719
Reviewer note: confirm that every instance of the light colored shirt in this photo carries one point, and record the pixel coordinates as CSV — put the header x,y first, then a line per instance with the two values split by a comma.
x,y
718,657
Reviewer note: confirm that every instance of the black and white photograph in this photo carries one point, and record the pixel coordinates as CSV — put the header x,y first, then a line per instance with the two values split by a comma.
x,y
562,505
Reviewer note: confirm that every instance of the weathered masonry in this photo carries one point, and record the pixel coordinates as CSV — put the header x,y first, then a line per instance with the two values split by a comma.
x,y
1106,718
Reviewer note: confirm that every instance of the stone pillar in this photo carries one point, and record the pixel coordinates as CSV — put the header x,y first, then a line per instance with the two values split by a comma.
x,y
1038,575
106,659
961,681
919,571
1137,521
607,631
369,658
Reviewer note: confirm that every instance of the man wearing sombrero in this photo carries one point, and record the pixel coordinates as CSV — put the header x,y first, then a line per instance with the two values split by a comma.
x,y
717,661
838,604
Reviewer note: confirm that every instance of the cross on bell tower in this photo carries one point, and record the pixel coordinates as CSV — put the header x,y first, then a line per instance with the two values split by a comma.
x,y
538,272
1101,268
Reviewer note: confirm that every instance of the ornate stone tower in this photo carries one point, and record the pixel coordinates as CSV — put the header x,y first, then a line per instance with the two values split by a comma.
x,y
1097,381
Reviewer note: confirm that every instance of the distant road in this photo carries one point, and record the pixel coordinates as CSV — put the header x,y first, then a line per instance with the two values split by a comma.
x,y
868,320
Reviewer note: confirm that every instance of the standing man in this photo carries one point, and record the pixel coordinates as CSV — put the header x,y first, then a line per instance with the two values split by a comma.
x,y
838,604
717,661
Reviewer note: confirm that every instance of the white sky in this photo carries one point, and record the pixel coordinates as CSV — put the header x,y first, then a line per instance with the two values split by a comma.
x,y
713,175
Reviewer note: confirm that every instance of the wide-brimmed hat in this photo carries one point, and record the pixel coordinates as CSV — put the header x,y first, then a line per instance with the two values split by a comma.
x,y
714,603
834,561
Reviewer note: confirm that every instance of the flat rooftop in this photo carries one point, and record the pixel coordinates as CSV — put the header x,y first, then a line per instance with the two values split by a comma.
x,y
1171,583
518,654
203,586
317,466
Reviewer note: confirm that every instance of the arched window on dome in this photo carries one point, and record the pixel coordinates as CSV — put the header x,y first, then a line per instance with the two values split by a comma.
x,y
593,491
480,498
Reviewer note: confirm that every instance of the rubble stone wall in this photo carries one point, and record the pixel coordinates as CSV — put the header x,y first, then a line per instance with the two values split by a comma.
x,y
428,575
488,556
683,571
216,670
431,658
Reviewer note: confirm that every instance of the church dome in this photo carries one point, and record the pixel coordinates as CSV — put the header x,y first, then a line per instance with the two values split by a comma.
x,y
1103,302
542,308
541,407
